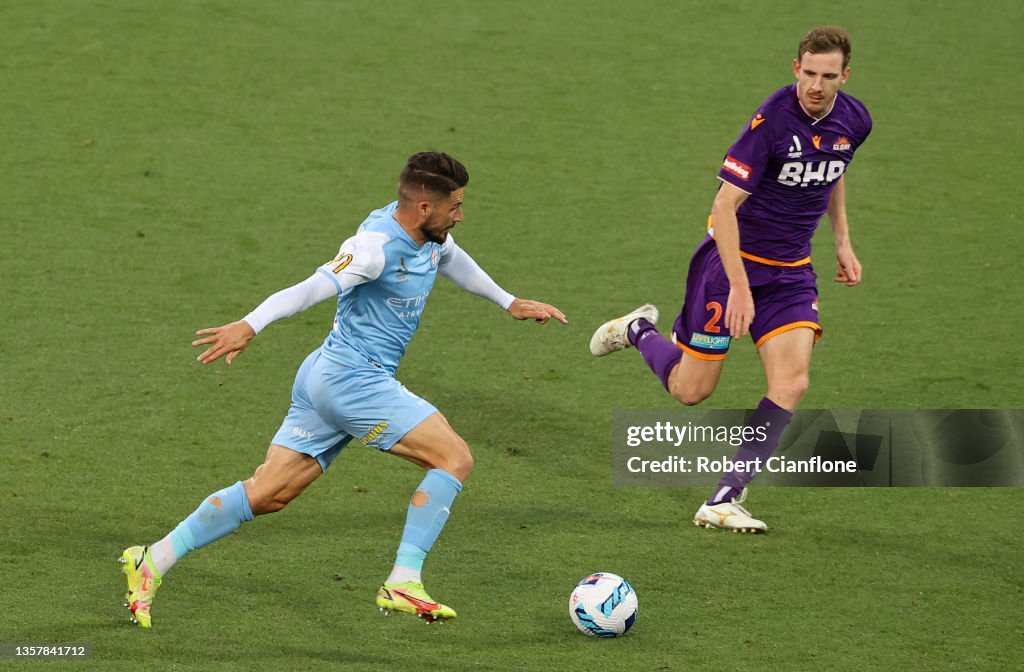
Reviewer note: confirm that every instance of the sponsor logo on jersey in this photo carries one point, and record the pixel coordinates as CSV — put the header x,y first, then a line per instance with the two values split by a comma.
x,y
407,302
796,150
301,432
710,342
842,144
810,173
737,168
756,121
375,433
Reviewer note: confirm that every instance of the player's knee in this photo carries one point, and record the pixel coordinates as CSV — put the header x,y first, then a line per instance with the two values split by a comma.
x,y
690,395
690,398
791,390
460,463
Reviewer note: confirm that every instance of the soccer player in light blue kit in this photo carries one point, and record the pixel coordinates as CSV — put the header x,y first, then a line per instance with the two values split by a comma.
x,y
346,389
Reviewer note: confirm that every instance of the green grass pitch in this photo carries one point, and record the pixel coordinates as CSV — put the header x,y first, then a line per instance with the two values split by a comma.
x,y
167,165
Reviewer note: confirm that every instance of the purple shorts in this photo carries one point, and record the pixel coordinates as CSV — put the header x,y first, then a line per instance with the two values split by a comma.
x,y
785,297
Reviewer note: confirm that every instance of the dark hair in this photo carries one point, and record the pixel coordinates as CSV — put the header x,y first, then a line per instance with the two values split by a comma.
x,y
435,172
824,39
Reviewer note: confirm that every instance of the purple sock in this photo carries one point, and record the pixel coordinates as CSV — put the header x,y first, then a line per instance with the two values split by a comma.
x,y
773,418
661,354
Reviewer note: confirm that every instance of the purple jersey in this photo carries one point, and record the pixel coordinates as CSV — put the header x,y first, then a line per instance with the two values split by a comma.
x,y
789,162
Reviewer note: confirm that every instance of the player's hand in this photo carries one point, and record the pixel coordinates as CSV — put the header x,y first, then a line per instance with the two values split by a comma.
x,y
230,339
739,312
525,309
848,270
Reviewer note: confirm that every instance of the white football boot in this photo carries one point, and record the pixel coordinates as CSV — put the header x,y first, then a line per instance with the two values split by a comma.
x,y
729,516
611,335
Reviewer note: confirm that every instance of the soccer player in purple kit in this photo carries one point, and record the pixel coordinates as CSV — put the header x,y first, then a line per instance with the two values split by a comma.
x,y
753,273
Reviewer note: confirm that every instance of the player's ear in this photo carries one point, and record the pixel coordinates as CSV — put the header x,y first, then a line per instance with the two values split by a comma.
x,y
796,68
424,207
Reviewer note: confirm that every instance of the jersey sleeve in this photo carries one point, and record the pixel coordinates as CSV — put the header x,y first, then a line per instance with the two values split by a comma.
x,y
294,299
448,247
746,160
462,269
360,259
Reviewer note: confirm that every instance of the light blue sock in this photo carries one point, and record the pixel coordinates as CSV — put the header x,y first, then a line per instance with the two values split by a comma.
x,y
221,513
424,523
410,556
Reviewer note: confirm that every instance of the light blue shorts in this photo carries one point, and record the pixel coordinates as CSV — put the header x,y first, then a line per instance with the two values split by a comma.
x,y
333,403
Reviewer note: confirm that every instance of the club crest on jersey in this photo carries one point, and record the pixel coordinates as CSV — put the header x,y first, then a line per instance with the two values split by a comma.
x,y
842,144
435,256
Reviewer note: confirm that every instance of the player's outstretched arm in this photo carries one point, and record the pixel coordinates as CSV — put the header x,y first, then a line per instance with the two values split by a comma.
x,y
848,268
527,309
462,269
230,339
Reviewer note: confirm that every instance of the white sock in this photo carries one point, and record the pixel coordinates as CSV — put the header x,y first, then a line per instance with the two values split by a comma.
x,y
162,553
404,574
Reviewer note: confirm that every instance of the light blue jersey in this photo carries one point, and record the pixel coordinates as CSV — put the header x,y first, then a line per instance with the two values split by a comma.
x,y
377,317
346,389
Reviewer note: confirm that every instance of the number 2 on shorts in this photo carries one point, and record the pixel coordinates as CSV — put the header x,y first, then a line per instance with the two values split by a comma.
x,y
712,325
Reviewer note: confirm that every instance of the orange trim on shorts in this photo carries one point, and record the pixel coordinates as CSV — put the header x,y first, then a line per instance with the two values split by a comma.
x,y
700,355
763,260
772,262
789,327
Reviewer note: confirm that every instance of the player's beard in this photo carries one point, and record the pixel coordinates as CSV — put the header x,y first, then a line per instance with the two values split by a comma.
x,y
437,234
435,237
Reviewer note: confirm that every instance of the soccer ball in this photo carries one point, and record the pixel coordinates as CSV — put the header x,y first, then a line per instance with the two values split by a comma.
x,y
603,605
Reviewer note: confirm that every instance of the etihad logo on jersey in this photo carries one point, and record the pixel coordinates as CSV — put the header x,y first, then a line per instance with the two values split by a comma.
x,y
408,302
737,168
756,121
842,144
810,173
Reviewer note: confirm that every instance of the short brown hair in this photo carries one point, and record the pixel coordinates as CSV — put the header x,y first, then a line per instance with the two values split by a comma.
x,y
435,172
824,39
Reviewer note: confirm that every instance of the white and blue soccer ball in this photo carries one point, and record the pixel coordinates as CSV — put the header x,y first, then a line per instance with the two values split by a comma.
x,y
603,605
